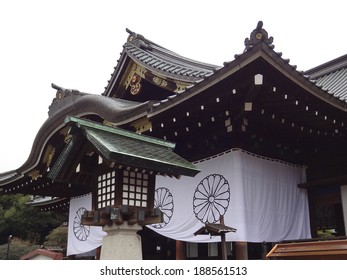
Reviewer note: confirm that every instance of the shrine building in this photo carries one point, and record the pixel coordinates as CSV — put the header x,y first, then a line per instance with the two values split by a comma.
x,y
173,147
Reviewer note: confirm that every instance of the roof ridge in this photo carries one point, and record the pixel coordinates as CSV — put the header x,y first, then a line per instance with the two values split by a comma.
x,y
143,43
116,130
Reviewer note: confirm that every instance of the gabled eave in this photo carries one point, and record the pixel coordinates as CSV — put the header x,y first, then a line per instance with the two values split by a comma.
x,y
117,74
282,65
268,55
159,61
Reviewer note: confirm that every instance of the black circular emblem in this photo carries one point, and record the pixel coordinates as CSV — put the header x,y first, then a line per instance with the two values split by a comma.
x,y
211,198
80,231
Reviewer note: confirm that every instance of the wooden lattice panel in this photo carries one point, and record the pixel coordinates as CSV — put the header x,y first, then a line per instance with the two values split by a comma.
x,y
135,189
106,189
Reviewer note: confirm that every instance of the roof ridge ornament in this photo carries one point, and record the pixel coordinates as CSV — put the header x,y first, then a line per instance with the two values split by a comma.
x,y
62,91
62,97
257,36
137,40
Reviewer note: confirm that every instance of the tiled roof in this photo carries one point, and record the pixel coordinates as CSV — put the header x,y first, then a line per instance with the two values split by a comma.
x,y
42,252
335,83
173,65
331,77
7,176
42,201
136,150
157,58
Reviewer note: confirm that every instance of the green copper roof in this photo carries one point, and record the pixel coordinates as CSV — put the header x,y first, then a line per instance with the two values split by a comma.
x,y
127,148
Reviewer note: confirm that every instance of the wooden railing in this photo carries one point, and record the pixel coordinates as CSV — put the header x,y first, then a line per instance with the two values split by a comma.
x,y
334,249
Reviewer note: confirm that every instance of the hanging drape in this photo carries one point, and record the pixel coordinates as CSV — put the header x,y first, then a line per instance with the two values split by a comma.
x,y
82,239
258,196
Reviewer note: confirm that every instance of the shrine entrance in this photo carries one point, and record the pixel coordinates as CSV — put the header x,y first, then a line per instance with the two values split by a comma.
x,y
326,212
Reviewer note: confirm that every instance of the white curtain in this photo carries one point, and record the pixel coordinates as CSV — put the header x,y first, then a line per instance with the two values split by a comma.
x,y
82,239
257,196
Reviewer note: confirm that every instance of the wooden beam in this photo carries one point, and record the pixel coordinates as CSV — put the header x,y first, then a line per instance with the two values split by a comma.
x,y
111,215
338,180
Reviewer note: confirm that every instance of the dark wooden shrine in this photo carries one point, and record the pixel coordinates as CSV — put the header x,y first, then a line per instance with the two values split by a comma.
x,y
256,101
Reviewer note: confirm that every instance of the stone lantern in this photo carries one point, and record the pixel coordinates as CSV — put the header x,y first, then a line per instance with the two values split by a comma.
x,y
121,168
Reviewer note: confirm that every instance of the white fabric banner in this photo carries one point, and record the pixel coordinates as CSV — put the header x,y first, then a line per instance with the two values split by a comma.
x,y
82,239
257,196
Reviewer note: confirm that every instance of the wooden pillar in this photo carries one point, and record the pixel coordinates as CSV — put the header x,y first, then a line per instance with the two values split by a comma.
x,y
98,253
223,241
223,247
180,250
241,250
344,204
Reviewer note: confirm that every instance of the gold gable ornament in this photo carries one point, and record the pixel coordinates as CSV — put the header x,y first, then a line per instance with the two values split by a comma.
x,y
135,84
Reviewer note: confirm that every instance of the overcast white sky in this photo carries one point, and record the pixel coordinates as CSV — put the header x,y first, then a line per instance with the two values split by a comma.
x,y
76,44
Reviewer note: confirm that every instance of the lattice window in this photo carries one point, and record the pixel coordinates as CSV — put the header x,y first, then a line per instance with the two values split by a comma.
x,y
135,189
106,189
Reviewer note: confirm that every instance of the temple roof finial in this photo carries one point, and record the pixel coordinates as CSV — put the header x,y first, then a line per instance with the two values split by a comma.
x,y
258,35
63,97
137,39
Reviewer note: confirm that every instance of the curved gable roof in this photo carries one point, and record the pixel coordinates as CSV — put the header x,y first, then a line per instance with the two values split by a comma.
x,y
164,61
160,61
113,110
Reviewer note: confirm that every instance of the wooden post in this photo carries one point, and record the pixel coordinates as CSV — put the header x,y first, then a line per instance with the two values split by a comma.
x,y
98,252
241,250
223,241
180,250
